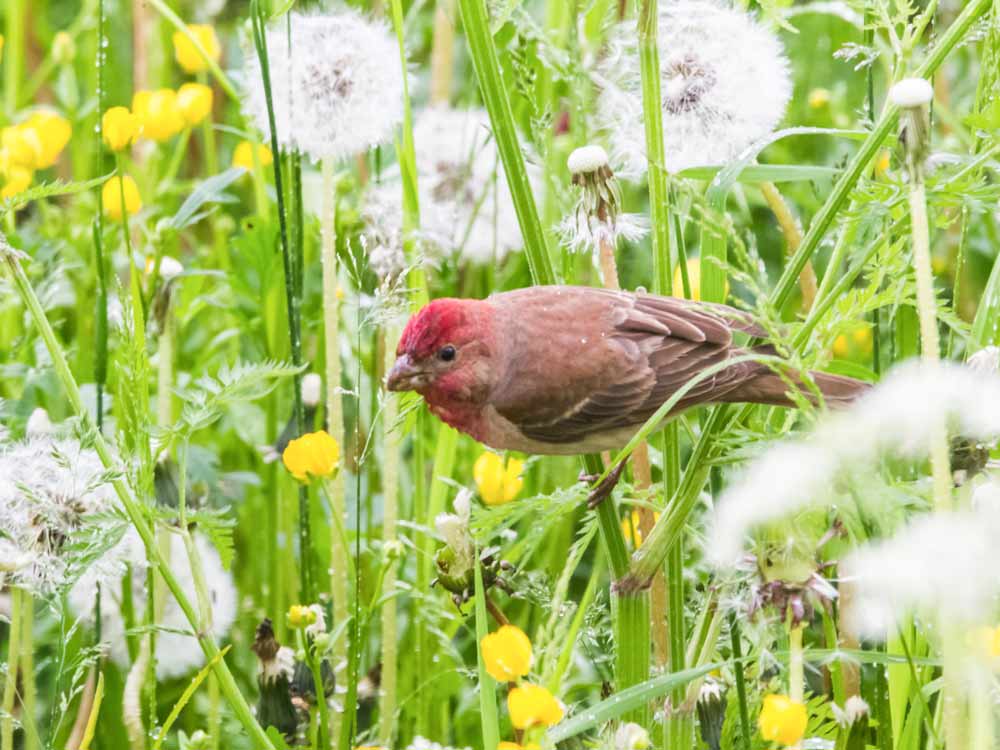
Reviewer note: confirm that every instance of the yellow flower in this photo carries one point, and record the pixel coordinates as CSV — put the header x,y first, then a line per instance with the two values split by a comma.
x,y
782,720
188,55
112,193
119,127
630,528
694,279
863,338
18,180
300,616
882,162
532,705
312,455
497,484
194,100
53,132
243,156
20,146
819,98
1,46
158,114
506,653
514,746
841,347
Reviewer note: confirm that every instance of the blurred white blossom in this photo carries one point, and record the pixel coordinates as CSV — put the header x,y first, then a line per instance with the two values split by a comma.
x,y
899,416
177,651
724,83
337,90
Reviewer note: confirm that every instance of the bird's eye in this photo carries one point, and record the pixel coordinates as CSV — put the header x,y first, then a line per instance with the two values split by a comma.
x,y
447,353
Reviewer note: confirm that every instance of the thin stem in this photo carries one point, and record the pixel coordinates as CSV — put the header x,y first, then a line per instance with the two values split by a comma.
x,y
10,683
793,238
741,686
133,510
443,51
13,58
796,673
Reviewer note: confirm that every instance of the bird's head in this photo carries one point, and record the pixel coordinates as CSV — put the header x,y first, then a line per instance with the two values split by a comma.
x,y
446,352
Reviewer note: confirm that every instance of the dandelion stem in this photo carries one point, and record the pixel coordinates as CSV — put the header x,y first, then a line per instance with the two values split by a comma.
x,y
796,673
10,682
741,685
132,509
14,54
443,51
334,420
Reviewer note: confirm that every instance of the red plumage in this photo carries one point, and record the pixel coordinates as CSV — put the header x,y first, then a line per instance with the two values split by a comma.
x,y
566,370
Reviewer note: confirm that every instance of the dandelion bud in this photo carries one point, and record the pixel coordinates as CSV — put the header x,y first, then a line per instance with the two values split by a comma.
x,y
911,92
187,54
63,48
631,736
119,128
194,100
506,653
912,95
274,675
711,709
312,456
312,389
118,191
392,550
782,720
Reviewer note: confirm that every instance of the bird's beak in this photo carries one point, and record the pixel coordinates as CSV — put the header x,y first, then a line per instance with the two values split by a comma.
x,y
405,375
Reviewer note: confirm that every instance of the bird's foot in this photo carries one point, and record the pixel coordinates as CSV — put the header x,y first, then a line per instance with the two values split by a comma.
x,y
603,490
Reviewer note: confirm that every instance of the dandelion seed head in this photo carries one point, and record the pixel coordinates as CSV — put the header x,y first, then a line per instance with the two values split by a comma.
x,y
986,360
383,233
911,92
337,90
177,650
50,490
724,83
934,566
465,203
898,417
587,159
38,424
581,235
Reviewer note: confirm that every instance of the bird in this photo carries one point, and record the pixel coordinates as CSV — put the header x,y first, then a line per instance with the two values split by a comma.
x,y
563,370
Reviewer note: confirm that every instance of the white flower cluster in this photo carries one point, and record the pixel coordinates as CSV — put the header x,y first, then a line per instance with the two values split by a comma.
x,y
899,416
177,651
50,489
724,83
337,90
465,203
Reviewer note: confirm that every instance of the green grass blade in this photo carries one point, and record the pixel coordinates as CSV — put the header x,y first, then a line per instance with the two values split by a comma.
x,y
487,686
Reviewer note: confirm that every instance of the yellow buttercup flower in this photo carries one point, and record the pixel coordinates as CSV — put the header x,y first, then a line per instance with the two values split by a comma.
x,y
21,146
819,98
300,616
882,162
111,195
194,100
243,156
782,720
532,706
159,116
54,132
187,54
841,347
630,528
18,179
506,653
1,46
119,128
694,279
505,745
312,455
497,484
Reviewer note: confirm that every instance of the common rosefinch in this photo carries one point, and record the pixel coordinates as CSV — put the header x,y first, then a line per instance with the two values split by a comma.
x,y
567,369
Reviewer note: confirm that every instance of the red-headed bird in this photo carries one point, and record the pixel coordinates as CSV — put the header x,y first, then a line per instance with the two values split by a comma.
x,y
568,369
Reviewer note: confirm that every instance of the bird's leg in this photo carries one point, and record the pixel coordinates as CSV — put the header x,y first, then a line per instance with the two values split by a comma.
x,y
604,488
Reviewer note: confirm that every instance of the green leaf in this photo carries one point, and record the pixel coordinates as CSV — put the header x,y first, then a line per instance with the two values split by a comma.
x,y
987,320
48,190
186,696
208,191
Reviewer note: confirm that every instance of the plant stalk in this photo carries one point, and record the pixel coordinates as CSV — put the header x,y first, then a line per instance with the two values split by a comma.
x,y
13,657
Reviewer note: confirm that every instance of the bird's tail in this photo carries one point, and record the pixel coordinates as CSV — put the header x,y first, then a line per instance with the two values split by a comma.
x,y
773,390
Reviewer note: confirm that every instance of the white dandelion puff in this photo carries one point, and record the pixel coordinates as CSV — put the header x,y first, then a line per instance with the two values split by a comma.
x,y
382,237
911,92
312,389
177,650
580,234
586,159
899,416
337,90
724,83
935,566
465,202
51,490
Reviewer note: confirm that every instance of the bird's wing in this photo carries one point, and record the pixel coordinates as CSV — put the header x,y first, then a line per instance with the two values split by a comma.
x,y
618,357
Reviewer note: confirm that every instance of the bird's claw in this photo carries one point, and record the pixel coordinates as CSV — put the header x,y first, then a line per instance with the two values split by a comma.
x,y
604,489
